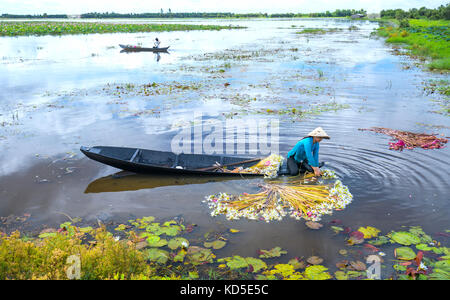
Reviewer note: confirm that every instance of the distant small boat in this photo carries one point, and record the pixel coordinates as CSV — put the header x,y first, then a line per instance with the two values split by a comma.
x,y
138,48
157,162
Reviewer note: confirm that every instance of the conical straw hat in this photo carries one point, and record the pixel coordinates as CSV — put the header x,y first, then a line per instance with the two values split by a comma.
x,y
319,132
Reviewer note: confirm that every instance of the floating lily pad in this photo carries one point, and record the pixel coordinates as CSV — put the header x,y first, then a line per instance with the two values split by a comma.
x,y
180,255
274,252
424,247
217,244
369,232
354,240
297,264
358,265
341,275
257,264
343,252
313,225
314,260
317,272
418,232
171,230
405,238
157,255
379,241
178,242
337,229
198,255
156,241
237,262
86,229
404,253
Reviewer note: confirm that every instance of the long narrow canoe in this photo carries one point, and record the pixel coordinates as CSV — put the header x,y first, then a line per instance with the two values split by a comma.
x,y
136,48
153,162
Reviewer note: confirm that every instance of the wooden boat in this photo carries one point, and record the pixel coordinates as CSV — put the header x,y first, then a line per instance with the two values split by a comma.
x,y
153,162
137,48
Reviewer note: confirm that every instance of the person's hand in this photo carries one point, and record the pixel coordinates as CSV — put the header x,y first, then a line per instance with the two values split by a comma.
x,y
317,171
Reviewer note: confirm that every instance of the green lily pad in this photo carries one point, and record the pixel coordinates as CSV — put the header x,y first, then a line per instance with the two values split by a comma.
x,y
256,263
418,231
297,264
217,244
236,262
337,229
171,230
157,255
47,234
424,247
178,242
86,229
404,253
317,272
198,255
155,241
405,238
274,252
340,275
180,255
379,241
399,267
443,265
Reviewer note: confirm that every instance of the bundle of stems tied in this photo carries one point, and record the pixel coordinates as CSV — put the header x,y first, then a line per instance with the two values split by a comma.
x,y
277,198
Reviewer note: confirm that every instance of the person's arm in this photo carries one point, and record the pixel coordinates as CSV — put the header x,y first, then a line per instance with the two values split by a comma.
x,y
317,170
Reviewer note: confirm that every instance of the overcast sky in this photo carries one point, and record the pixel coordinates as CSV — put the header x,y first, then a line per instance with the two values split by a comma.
x,y
237,6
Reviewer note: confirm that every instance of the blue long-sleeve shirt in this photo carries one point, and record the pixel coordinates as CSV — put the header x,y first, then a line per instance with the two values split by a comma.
x,y
305,148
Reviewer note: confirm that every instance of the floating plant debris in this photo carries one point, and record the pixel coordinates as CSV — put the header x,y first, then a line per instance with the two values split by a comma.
x,y
278,199
410,140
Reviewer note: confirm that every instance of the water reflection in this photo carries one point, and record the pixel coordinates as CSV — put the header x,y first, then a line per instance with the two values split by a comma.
x,y
156,53
126,181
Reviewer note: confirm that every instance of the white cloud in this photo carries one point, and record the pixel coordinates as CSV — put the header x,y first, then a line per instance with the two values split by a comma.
x,y
139,6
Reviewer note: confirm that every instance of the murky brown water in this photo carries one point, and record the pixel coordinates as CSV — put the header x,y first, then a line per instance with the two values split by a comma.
x,y
59,93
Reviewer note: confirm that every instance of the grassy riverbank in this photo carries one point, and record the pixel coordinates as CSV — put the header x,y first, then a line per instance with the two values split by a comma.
x,y
62,28
425,39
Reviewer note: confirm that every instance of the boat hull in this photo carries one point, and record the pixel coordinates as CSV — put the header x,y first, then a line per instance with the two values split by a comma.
x,y
159,162
142,49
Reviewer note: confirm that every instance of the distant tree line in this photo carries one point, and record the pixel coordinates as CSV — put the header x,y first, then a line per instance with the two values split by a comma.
x,y
170,14
442,12
43,16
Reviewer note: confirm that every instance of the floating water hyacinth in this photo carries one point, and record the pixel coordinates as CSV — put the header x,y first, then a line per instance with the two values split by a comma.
x,y
279,199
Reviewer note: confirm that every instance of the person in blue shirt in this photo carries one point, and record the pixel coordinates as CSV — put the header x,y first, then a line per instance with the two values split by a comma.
x,y
305,154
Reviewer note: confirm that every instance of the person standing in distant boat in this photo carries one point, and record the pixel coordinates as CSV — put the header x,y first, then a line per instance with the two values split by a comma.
x,y
305,154
157,42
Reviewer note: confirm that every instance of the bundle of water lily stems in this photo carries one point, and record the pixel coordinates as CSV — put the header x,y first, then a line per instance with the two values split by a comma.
x,y
410,140
280,198
268,167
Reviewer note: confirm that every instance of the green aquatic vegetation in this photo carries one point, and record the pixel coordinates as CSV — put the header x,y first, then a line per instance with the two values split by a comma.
x,y
404,253
304,112
423,39
62,28
318,30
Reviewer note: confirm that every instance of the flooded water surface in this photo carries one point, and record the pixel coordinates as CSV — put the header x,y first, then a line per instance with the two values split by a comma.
x,y
59,93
